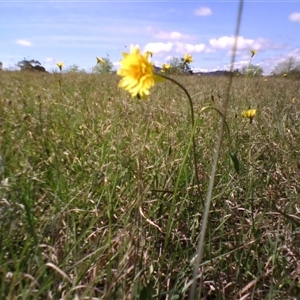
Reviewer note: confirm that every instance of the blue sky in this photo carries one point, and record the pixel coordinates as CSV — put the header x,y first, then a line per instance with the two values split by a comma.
x,y
75,32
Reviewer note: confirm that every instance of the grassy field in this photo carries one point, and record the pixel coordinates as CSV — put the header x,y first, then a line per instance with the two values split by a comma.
x,y
98,198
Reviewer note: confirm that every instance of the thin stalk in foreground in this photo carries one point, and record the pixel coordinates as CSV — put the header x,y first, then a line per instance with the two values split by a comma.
x,y
214,165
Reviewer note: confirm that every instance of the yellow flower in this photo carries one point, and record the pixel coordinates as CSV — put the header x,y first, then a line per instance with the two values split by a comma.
x,y
137,72
266,79
100,60
253,52
250,113
60,64
166,66
284,75
187,59
294,100
150,53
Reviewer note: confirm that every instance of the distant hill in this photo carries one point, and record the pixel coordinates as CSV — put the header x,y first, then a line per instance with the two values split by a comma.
x,y
157,69
212,73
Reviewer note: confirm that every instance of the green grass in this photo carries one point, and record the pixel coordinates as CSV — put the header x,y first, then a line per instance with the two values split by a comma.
x,y
98,195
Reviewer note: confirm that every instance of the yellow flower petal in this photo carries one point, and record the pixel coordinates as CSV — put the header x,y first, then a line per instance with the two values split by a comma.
x,y
166,66
250,113
100,60
253,52
137,72
60,64
187,58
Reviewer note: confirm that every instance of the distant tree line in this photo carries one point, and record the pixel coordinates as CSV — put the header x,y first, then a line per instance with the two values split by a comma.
x,y
30,65
289,68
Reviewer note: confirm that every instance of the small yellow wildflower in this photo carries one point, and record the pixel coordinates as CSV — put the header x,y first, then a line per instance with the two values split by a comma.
x,y
266,79
166,66
187,59
250,113
294,100
253,52
150,53
137,72
60,64
100,60
284,75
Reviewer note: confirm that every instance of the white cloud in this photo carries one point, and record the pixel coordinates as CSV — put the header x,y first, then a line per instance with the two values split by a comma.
x,y
196,70
116,64
203,11
49,64
49,60
226,43
169,57
236,65
158,47
178,47
295,53
23,43
295,17
190,48
173,35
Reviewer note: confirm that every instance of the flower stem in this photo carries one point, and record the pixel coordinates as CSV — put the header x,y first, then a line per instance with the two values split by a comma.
x,y
192,123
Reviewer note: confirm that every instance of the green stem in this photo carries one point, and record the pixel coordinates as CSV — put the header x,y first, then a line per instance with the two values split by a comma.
x,y
186,92
192,121
60,85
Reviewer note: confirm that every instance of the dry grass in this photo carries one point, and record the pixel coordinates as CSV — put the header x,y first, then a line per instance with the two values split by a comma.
x,y
98,199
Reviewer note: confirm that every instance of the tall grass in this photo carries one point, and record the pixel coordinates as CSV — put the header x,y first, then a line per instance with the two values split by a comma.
x,y
98,199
